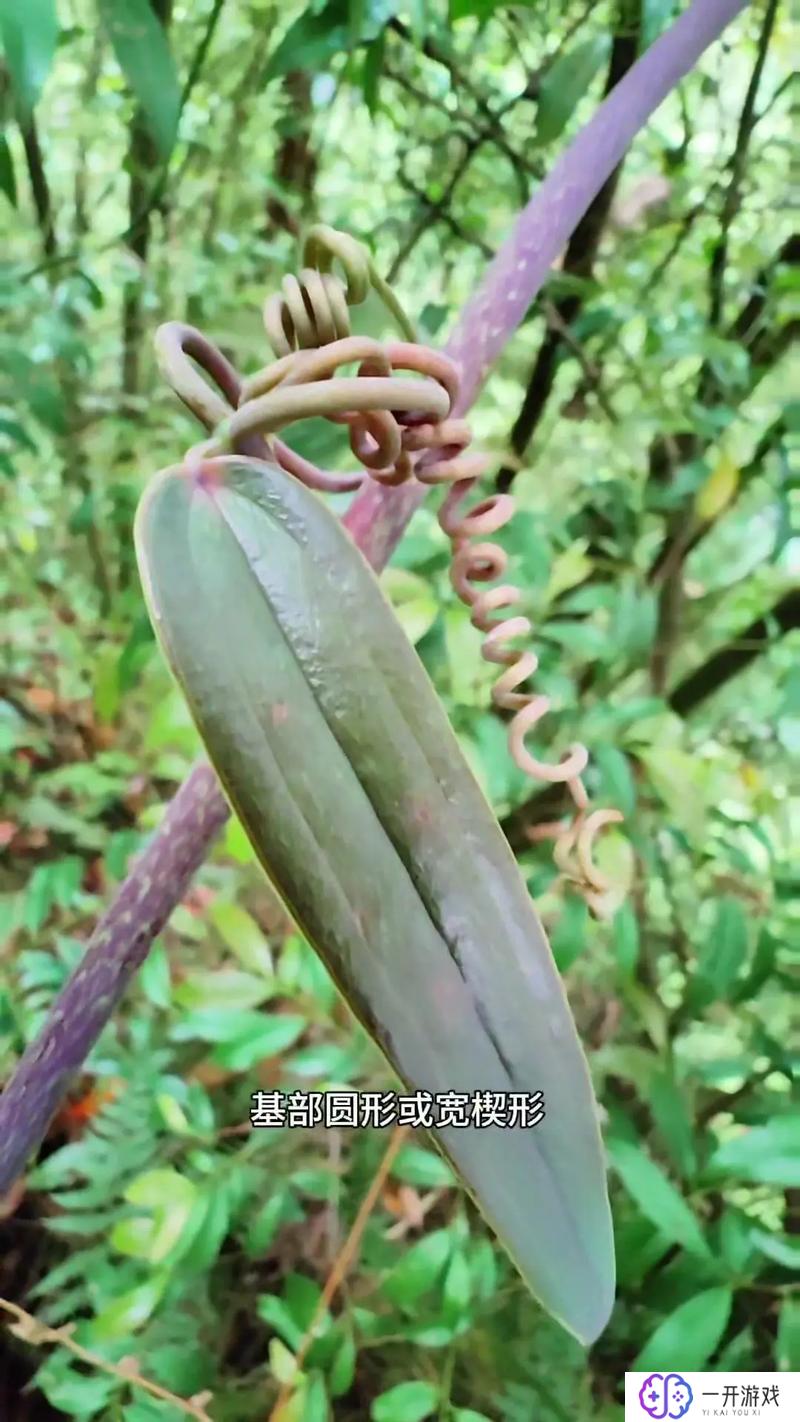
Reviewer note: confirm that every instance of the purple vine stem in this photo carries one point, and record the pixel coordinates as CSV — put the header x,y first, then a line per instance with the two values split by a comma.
x,y
376,520
378,516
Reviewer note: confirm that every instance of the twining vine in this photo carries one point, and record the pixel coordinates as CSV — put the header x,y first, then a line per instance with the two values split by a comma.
x,y
399,429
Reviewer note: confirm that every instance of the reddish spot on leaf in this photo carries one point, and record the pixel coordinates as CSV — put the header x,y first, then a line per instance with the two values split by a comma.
x,y
279,713
207,474
421,814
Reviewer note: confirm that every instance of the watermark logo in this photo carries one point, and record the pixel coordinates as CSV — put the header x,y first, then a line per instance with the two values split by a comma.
x,y
712,1397
665,1395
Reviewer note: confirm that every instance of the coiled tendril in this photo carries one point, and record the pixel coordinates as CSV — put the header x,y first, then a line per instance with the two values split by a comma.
x,y
398,409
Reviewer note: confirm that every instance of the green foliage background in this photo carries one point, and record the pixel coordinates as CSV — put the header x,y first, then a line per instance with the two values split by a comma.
x,y
645,409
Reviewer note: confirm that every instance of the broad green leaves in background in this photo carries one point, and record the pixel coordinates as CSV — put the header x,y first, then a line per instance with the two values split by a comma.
x,y
143,54
655,17
318,35
407,1402
657,1198
723,953
312,40
689,1336
29,30
565,84
768,1153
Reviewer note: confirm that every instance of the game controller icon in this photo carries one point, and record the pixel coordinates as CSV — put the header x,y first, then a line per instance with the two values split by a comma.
x,y
665,1395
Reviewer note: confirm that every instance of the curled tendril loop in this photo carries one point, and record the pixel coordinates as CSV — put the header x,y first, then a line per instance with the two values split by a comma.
x,y
398,409
310,311
473,564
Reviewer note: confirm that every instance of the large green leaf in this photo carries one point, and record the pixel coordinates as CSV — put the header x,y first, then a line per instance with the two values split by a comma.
x,y
655,15
407,1402
143,54
687,1338
317,36
724,951
341,764
673,1120
657,1197
565,84
130,1311
787,1346
29,30
768,1154
312,40
420,1268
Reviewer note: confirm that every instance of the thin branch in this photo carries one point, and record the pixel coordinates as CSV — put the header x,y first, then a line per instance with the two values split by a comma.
x,y
550,803
592,375
40,188
731,204
376,520
433,50
569,33
676,548
342,1264
732,659
81,222
766,344
74,465
141,160
295,164
522,168
605,343
30,1330
773,99
439,211
241,102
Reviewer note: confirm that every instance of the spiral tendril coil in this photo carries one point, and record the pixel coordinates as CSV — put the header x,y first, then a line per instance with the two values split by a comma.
x,y
398,410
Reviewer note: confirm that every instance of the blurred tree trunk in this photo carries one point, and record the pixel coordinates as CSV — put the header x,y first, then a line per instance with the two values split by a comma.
x,y
81,219
230,150
143,164
34,163
75,473
40,189
295,168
